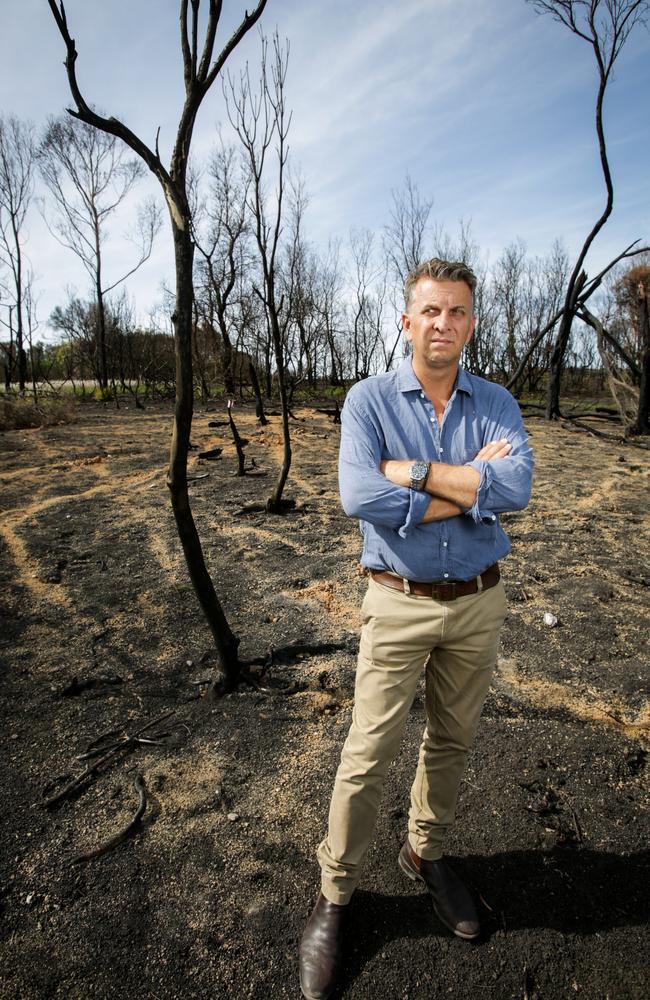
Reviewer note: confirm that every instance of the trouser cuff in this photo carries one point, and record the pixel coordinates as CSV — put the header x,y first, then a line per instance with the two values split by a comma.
x,y
428,852
335,894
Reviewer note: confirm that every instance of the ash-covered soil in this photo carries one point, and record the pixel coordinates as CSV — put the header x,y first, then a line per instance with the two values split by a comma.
x,y
207,897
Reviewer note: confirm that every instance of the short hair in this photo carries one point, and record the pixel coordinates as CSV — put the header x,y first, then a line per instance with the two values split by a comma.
x,y
439,270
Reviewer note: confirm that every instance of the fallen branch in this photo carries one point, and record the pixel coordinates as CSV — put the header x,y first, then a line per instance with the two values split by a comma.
x,y
593,414
256,508
126,744
122,834
576,824
211,454
572,423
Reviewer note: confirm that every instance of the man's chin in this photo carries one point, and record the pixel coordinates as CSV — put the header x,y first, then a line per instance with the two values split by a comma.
x,y
440,359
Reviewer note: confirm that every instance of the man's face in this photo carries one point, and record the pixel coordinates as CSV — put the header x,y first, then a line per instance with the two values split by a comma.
x,y
439,322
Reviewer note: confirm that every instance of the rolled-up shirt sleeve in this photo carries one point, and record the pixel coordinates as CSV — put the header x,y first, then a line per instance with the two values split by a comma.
x,y
506,483
365,492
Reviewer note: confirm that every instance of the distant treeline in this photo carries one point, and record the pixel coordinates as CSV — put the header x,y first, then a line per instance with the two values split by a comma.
x,y
336,312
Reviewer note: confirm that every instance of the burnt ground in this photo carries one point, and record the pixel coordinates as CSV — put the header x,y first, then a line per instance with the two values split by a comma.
x,y
208,896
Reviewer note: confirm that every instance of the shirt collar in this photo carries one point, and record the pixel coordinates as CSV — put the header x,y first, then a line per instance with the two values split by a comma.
x,y
407,380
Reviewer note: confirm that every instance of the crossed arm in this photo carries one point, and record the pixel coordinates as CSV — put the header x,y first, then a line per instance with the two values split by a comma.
x,y
452,487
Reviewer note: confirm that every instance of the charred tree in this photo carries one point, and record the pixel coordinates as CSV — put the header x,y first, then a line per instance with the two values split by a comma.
x,y
642,422
259,405
605,25
588,288
200,70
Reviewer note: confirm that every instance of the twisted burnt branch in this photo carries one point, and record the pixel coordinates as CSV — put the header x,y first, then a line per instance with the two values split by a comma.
x,y
128,743
121,835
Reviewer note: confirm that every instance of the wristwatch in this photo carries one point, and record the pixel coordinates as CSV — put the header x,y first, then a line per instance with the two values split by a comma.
x,y
419,473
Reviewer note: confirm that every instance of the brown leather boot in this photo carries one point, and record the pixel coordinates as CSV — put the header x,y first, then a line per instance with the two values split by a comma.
x,y
321,949
451,899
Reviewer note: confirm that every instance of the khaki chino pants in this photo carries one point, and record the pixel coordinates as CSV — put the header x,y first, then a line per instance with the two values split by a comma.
x,y
456,641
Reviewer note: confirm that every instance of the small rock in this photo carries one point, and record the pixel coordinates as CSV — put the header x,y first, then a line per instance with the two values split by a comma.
x,y
233,817
550,619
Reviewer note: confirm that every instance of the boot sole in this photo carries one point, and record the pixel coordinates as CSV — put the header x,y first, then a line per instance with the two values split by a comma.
x,y
412,873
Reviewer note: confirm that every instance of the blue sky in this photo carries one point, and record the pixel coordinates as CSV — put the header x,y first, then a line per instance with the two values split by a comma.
x,y
487,106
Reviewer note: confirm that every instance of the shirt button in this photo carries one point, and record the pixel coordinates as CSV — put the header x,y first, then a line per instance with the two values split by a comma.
x,y
432,419
445,544
445,575
494,517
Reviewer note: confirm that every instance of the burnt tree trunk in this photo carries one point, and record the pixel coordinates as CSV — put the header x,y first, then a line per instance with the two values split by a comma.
x,y
101,313
642,422
259,405
274,503
225,641
239,444
560,346
226,363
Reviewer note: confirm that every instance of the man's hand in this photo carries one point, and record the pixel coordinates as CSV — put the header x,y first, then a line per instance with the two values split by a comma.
x,y
493,450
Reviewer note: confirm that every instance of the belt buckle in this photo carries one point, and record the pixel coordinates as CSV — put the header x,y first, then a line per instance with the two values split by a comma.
x,y
443,589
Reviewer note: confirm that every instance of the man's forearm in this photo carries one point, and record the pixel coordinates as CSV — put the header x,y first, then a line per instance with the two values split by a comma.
x,y
440,510
456,484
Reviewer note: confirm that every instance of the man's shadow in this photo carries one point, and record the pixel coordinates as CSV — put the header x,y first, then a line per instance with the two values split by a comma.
x,y
574,891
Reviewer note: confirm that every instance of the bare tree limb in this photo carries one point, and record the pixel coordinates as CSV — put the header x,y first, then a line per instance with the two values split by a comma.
x,y
127,743
596,325
121,835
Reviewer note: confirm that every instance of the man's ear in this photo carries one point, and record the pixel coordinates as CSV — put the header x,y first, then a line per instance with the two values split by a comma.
x,y
406,325
471,330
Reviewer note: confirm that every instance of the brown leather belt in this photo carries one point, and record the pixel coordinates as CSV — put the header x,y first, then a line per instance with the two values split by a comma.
x,y
448,591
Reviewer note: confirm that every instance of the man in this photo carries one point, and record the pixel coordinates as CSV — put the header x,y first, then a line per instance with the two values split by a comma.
x,y
430,455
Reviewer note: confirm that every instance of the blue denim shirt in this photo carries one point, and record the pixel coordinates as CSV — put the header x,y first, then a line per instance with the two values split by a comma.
x,y
389,417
